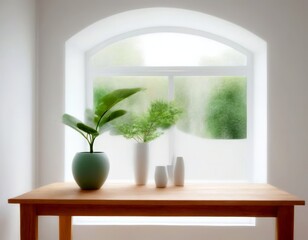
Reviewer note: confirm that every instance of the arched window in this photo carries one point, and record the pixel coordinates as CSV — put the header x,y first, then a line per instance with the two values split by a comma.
x,y
213,69
207,78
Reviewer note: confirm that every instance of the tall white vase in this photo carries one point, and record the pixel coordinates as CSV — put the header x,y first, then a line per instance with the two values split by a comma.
x,y
141,163
179,172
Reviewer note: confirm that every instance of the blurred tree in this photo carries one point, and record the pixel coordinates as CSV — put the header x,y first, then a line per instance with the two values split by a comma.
x,y
226,110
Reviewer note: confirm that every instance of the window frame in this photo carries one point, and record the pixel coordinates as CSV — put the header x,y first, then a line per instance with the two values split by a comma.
x,y
79,45
172,71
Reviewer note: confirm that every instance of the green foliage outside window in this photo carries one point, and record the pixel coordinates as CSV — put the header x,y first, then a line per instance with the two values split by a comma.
x,y
213,107
226,110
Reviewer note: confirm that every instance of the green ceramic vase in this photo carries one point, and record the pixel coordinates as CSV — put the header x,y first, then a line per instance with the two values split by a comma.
x,y
90,170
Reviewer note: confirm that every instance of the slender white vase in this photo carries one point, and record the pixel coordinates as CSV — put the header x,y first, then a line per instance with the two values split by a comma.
x,y
141,163
170,171
179,172
161,178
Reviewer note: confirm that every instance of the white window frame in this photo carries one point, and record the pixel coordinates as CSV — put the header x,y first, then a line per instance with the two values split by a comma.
x,y
77,50
171,72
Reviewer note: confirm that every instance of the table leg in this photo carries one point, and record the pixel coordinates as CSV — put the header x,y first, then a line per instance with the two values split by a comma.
x,y
28,222
285,223
65,227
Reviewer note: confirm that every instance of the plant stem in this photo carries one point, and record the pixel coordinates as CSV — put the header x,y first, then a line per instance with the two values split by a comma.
x,y
91,143
147,132
100,119
91,147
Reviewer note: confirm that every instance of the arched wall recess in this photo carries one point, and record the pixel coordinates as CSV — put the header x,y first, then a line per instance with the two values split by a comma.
x,y
143,20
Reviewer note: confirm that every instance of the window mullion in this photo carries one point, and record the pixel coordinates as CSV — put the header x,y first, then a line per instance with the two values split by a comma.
x,y
167,71
171,97
171,88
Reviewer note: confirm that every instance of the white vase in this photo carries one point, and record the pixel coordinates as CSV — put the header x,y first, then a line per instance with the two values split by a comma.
x,y
161,178
141,163
179,172
170,171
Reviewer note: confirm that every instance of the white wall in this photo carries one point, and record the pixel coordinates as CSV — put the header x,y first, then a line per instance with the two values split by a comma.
x,y
282,23
17,55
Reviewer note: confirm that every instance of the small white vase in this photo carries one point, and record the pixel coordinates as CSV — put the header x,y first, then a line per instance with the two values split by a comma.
x,y
161,178
179,172
141,163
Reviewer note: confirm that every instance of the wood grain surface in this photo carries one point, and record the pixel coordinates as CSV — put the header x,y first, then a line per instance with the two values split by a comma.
x,y
129,194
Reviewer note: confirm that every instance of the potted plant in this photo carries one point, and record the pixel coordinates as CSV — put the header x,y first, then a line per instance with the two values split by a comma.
x,y
90,169
146,127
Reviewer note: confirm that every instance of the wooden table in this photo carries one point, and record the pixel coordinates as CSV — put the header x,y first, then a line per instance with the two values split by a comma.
x,y
239,200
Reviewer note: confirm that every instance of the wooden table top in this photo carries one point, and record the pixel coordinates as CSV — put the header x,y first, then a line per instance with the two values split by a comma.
x,y
203,194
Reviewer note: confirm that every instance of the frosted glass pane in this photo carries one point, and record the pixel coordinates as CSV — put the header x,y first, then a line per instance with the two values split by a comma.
x,y
168,49
156,88
214,107
211,136
211,159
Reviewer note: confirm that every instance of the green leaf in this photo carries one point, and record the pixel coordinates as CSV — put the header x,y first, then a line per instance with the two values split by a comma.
x,y
71,121
111,116
111,99
90,117
87,129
